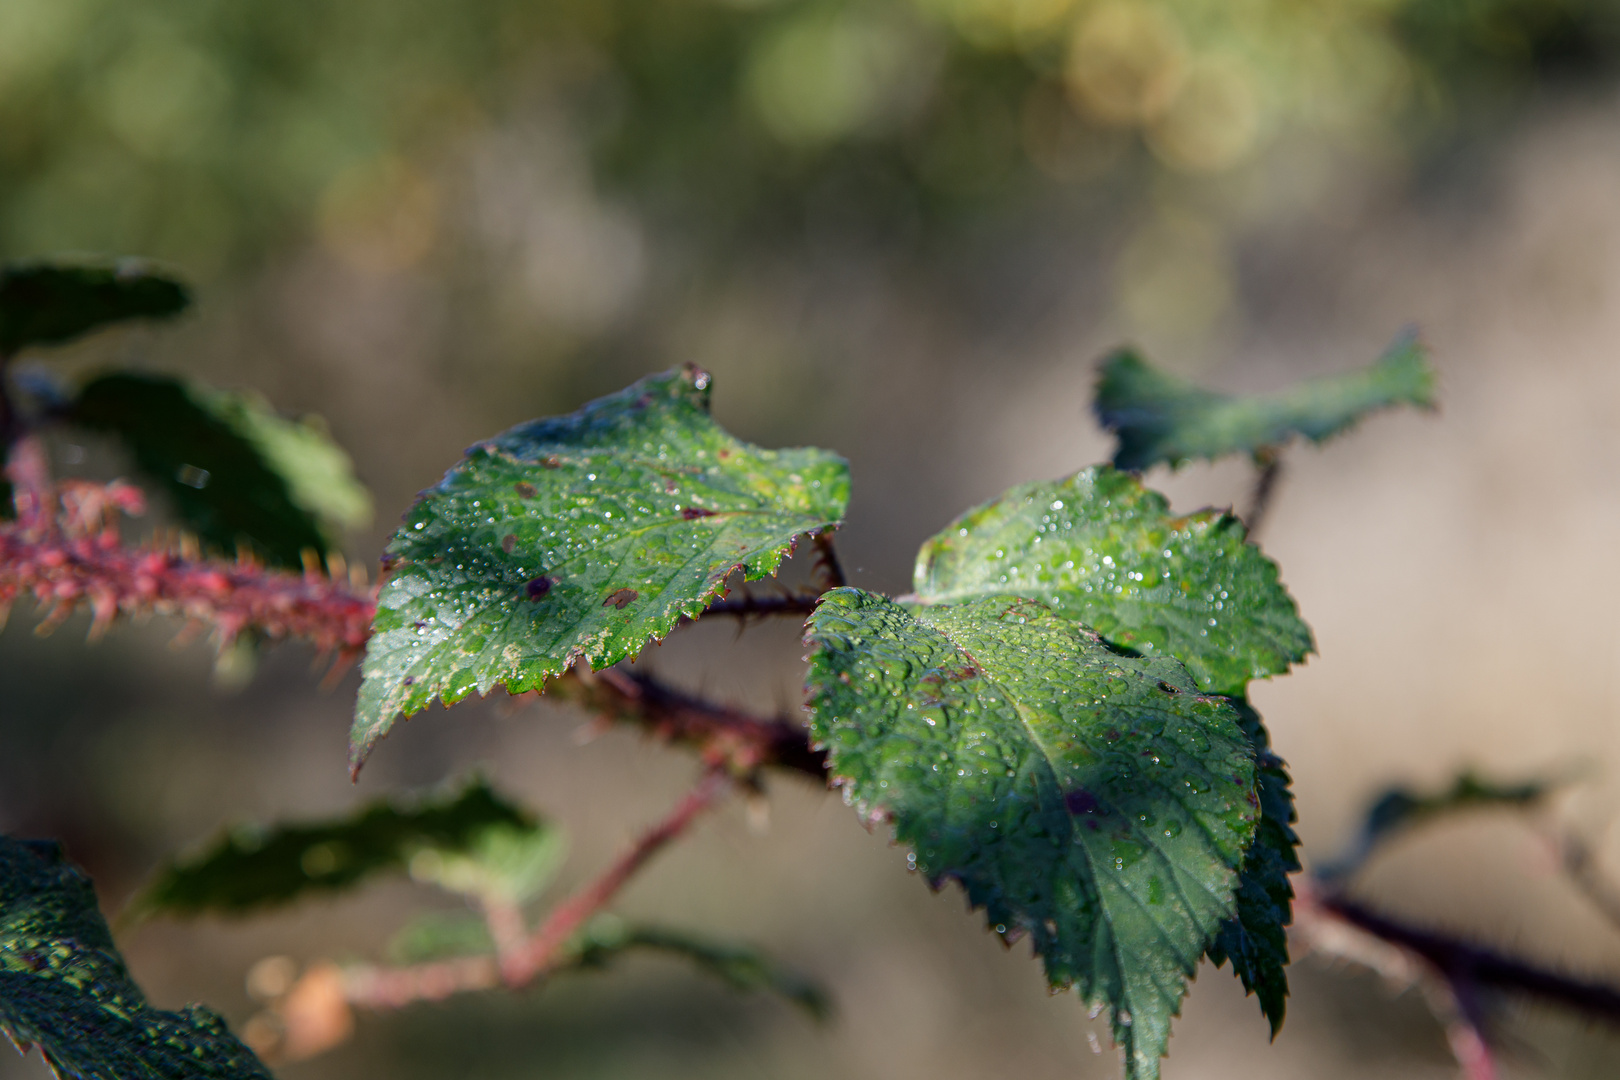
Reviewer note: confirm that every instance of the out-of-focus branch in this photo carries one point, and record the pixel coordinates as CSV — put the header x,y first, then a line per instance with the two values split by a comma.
x,y
1269,461
1404,952
1585,872
544,946
723,736
542,951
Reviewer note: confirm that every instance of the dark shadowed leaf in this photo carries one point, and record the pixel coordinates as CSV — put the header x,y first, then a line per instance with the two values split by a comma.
x,y
1256,939
47,302
1095,802
252,868
581,537
1160,418
1107,552
64,988
236,471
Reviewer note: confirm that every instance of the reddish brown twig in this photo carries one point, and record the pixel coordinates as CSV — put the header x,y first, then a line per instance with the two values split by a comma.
x,y
749,606
832,571
723,736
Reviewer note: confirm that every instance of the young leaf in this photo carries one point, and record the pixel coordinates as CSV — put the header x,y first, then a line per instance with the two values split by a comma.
x,y
64,988
249,869
47,303
235,470
1094,801
503,863
581,537
1105,551
741,967
1398,808
1161,418
1256,939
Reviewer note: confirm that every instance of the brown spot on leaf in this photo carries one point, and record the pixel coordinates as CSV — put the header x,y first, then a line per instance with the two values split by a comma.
x,y
552,461
525,490
538,587
508,542
621,598
692,513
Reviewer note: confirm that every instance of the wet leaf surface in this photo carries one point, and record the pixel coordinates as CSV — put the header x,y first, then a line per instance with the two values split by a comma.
x,y
64,988
1162,419
1108,553
1095,802
581,537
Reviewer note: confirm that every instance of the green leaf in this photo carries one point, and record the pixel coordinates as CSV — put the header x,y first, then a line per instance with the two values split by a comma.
x,y
581,537
741,967
49,302
1161,418
1256,939
235,470
503,863
1107,552
64,988
249,868
1093,801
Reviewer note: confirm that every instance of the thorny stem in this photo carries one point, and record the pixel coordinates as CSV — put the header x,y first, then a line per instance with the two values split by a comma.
x,y
542,951
750,606
1269,461
725,737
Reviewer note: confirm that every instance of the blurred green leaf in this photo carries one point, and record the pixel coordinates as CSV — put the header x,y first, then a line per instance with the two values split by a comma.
x,y
48,302
439,936
1095,802
235,469
1159,418
1107,552
742,967
509,864
64,988
249,869
1399,808
581,537
1256,939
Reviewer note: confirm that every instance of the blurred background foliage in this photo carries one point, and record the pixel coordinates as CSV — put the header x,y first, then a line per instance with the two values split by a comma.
x,y
901,229
683,139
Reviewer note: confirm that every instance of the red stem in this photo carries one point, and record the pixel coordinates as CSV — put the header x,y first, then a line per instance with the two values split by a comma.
x,y
543,946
